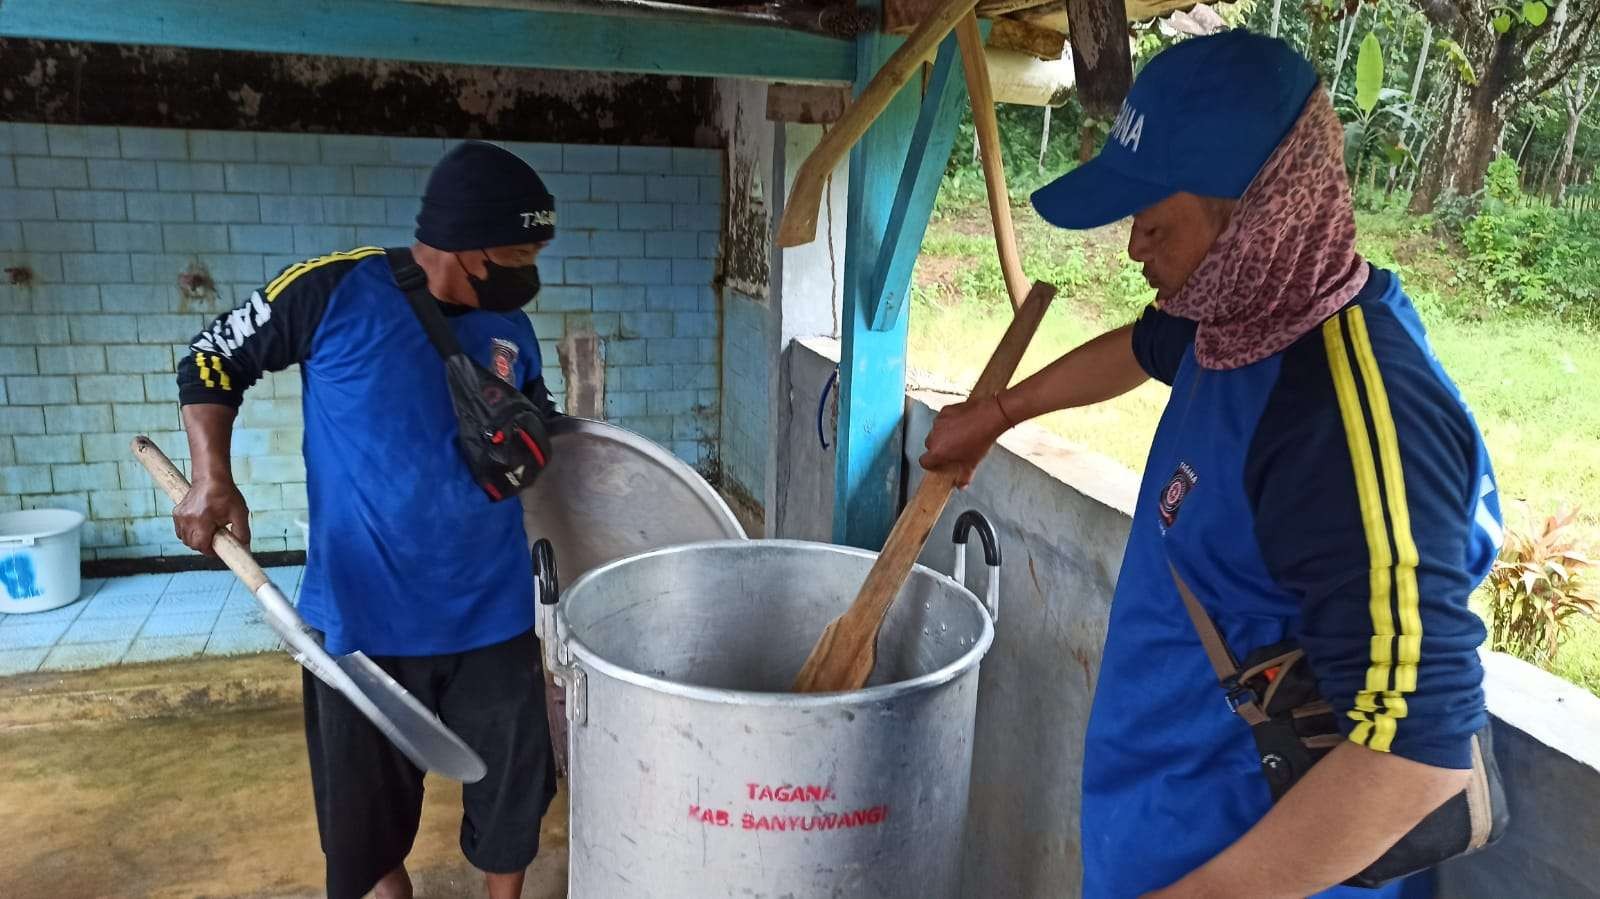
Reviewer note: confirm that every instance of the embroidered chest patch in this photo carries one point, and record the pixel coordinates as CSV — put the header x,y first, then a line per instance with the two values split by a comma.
x,y
1176,491
503,355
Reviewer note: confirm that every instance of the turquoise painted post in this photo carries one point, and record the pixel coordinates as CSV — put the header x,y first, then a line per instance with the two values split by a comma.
x,y
873,368
935,134
559,38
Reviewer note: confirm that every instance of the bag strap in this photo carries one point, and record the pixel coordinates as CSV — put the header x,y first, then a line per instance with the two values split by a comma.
x,y
1240,699
413,282
1480,800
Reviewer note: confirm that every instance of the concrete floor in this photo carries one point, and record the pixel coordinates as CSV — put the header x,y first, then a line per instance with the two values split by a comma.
x,y
209,799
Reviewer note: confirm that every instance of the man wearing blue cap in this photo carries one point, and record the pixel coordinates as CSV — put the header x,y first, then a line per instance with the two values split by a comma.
x,y
409,561
1316,484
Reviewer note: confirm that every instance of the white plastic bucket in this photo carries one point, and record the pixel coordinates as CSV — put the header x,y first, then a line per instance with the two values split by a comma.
x,y
39,559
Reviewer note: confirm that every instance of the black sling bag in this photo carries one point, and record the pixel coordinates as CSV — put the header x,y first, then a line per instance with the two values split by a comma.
x,y
500,432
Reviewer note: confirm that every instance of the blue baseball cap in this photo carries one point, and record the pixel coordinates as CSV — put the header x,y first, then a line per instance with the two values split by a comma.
x,y
1202,117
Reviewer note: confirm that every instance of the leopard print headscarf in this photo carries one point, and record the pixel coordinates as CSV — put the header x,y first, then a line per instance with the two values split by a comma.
x,y
1287,260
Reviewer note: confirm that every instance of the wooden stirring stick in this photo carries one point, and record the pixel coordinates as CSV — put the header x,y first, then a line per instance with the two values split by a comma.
x,y
848,649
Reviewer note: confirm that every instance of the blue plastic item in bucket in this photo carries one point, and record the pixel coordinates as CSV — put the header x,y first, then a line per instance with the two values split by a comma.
x,y
39,559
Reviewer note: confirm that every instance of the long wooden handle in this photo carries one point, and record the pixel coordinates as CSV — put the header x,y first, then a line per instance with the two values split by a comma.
x,y
847,651
976,64
799,224
176,486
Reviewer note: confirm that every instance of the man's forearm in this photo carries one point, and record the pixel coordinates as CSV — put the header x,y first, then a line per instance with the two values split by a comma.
x,y
1099,370
210,430
1345,813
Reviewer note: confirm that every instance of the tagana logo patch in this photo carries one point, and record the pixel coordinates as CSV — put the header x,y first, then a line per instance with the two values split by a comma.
x,y
503,354
1176,491
530,219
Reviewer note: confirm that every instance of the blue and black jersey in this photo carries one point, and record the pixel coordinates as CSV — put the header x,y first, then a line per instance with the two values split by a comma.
x,y
1336,494
407,557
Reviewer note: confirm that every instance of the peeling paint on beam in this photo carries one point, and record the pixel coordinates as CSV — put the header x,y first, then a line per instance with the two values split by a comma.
x,y
421,32
168,87
806,104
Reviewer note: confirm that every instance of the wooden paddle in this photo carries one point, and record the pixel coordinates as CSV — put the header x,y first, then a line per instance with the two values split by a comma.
x,y
848,649
976,64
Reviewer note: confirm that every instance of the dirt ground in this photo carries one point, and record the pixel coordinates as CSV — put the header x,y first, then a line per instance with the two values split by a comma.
x,y
215,803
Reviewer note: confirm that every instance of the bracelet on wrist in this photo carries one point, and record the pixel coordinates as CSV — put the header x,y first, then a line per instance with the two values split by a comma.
x,y
1004,415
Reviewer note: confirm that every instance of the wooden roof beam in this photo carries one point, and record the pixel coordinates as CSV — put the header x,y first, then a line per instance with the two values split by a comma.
x,y
613,37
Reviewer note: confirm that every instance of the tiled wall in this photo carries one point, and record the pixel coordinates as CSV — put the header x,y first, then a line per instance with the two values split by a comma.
x,y
104,221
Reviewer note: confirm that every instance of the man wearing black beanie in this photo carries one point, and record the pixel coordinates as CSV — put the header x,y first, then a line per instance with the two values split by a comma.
x,y
408,560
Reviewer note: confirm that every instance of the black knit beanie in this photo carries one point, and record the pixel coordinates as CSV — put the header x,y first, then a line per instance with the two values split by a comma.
x,y
482,195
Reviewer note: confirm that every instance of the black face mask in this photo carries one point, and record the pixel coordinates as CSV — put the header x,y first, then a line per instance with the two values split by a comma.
x,y
506,288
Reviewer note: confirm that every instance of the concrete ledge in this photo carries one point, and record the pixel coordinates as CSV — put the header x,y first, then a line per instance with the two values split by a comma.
x,y
1547,741
1559,714
153,690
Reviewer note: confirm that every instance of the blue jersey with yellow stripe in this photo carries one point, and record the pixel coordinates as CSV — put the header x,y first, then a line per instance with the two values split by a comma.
x,y
1337,494
407,556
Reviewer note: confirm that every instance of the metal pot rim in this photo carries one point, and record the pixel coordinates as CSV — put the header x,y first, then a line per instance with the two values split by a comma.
x,y
881,693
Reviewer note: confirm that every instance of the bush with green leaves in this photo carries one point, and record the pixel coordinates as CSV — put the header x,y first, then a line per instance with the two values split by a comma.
x,y
1503,181
1530,257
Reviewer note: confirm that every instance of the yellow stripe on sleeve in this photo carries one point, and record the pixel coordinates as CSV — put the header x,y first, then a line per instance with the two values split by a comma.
x,y
1377,707
1409,647
282,282
212,374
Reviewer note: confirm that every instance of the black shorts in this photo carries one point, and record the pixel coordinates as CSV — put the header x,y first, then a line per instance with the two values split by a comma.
x,y
369,795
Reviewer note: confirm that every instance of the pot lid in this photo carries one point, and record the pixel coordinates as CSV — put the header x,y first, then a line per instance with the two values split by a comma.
x,y
609,493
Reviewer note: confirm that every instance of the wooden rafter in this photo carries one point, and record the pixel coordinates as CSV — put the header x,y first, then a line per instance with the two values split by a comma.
x,y
799,224
1015,34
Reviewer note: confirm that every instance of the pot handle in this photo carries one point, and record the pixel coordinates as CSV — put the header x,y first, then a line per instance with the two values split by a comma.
x,y
546,589
547,625
547,620
545,581
970,520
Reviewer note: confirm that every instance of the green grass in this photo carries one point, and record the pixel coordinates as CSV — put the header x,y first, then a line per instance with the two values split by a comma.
x,y
1534,384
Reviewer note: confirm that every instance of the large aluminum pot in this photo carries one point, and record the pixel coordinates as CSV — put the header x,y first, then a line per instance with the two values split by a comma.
x,y
696,774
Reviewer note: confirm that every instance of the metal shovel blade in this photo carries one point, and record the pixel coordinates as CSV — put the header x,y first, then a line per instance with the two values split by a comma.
x,y
407,723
